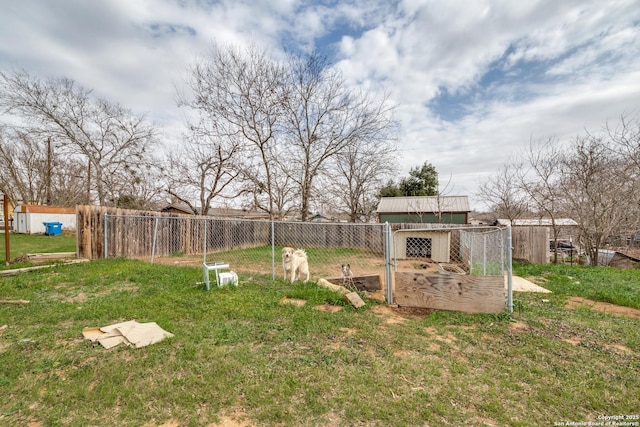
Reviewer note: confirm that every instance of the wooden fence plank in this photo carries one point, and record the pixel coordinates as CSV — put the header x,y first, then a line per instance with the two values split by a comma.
x,y
531,244
470,294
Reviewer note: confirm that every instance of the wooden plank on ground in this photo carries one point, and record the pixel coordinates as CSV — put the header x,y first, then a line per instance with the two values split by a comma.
x,y
335,288
347,295
366,282
470,294
354,299
38,267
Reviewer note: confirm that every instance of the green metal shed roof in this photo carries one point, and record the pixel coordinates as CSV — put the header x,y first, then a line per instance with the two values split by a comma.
x,y
424,204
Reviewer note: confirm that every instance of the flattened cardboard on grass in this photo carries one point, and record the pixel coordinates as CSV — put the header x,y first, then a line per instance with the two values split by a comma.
x,y
128,333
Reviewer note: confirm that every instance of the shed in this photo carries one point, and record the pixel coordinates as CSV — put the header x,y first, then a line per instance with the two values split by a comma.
x,y
424,209
29,219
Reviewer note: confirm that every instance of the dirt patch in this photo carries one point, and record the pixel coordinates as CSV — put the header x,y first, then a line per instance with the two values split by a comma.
x,y
234,418
518,327
572,341
35,422
394,315
416,312
414,266
619,348
81,297
387,314
537,280
323,265
292,301
328,308
448,338
603,307
84,297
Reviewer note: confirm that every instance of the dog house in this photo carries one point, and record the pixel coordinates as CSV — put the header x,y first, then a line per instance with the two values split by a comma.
x,y
423,244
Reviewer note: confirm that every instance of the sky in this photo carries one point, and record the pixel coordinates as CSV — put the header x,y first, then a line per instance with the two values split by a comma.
x,y
473,81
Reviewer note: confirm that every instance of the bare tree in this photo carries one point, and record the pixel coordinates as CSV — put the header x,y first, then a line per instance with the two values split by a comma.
x,y
502,194
22,175
625,139
109,136
204,169
600,190
240,92
324,117
284,190
539,179
356,175
34,173
142,187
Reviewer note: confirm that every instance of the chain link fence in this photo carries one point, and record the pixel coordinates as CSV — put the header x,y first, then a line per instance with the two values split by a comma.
x,y
478,251
254,247
248,246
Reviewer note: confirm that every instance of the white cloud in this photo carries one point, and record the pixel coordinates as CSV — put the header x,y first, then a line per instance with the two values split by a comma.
x,y
507,71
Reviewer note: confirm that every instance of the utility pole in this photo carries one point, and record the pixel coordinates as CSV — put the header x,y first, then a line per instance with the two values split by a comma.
x,y
7,250
49,171
89,182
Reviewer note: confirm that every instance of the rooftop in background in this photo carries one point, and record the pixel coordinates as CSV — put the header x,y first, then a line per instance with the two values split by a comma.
x,y
45,209
540,222
217,212
424,204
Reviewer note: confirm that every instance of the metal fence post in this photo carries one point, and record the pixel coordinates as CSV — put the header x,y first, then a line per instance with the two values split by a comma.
x,y
472,246
155,237
106,240
204,243
484,254
509,272
502,253
273,250
387,262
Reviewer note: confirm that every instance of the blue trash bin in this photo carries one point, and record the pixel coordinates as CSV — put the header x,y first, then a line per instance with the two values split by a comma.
x,y
52,228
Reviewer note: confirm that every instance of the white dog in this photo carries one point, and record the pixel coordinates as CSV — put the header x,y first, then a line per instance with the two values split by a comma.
x,y
347,274
295,262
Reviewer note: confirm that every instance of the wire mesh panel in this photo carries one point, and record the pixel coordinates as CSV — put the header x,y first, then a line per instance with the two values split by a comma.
x,y
248,246
474,250
329,245
429,254
243,244
256,246
483,251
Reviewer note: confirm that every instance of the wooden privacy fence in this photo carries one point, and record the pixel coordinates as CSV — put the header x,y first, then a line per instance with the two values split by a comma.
x,y
531,244
111,232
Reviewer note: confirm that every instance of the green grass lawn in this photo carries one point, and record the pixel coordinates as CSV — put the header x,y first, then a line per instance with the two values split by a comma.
x,y
238,353
21,244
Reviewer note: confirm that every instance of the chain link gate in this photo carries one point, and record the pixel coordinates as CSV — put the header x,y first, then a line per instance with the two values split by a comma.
x,y
445,249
